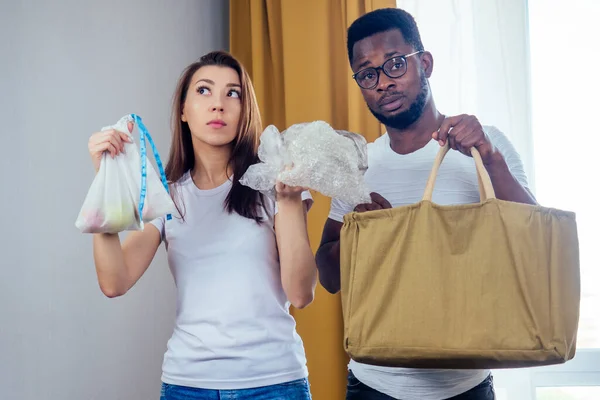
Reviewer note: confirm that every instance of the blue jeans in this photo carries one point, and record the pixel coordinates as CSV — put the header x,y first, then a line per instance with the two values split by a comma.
x,y
357,390
294,390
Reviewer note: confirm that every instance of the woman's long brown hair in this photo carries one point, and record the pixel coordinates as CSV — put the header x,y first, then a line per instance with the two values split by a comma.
x,y
241,199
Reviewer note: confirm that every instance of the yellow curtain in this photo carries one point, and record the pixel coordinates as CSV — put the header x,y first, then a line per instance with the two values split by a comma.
x,y
295,51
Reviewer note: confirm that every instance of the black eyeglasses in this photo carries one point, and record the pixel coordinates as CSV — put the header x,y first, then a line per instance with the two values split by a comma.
x,y
395,67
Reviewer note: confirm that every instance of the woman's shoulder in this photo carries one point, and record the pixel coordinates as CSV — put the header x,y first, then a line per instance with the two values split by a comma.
x,y
185,179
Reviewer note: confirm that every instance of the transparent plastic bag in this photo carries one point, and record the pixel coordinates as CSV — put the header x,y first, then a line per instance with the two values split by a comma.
x,y
312,155
126,187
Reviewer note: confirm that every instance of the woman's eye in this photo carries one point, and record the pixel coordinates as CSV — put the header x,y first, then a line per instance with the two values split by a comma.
x,y
234,94
203,90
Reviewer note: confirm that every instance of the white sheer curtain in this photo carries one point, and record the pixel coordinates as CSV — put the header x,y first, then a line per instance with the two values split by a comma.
x,y
481,63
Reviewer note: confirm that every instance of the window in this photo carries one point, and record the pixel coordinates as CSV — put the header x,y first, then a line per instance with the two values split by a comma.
x,y
563,104
564,108
569,393
543,94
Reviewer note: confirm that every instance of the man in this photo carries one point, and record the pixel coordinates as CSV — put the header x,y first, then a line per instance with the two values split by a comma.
x,y
392,69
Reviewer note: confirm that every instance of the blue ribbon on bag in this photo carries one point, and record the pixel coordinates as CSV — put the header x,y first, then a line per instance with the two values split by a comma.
x,y
144,134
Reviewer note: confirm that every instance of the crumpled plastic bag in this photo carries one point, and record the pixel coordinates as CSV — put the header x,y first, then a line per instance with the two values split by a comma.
x,y
126,187
311,155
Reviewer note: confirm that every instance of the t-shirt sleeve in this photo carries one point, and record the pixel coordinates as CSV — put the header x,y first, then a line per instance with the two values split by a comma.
x,y
508,151
307,199
338,209
159,223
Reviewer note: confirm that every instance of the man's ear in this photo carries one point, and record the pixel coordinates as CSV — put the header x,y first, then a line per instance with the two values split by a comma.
x,y
427,63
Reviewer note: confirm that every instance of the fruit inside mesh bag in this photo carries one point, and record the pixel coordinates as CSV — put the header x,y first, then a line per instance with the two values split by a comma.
x,y
312,155
123,183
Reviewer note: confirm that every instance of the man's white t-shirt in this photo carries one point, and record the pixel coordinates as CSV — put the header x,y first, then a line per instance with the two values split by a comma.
x,y
401,179
233,328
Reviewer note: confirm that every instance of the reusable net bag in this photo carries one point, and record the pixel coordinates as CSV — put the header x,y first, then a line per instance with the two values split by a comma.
x,y
126,191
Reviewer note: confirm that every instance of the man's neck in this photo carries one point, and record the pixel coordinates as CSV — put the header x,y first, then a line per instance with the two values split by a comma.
x,y
416,136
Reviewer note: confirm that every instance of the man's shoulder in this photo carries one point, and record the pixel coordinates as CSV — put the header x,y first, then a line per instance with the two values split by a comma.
x,y
378,144
379,141
500,140
494,133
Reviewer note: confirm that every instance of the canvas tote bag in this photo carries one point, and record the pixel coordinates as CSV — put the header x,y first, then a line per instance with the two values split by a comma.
x,y
493,284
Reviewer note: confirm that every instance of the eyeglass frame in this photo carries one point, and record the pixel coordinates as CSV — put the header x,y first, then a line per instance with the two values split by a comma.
x,y
380,68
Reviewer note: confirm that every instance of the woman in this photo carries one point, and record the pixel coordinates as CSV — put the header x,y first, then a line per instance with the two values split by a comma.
x,y
238,258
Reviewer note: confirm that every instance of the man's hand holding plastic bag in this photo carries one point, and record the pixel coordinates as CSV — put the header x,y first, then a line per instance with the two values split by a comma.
x,y
311,155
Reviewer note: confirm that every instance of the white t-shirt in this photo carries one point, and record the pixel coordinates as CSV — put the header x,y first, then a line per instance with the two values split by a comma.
x,y
401,179
233,328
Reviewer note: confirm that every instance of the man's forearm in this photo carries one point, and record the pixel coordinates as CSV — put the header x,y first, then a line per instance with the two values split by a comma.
x,y
328,264
506,186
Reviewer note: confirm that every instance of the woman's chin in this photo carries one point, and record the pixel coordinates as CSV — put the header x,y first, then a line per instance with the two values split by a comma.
x,y
214,139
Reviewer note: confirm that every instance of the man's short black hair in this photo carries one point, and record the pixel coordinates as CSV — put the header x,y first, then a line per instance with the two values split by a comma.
x,y
382,20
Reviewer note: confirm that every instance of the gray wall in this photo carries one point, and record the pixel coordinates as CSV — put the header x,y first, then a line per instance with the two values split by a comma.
x,y
67,68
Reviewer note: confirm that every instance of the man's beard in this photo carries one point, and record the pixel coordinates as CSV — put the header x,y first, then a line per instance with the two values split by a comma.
x,y
406,118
